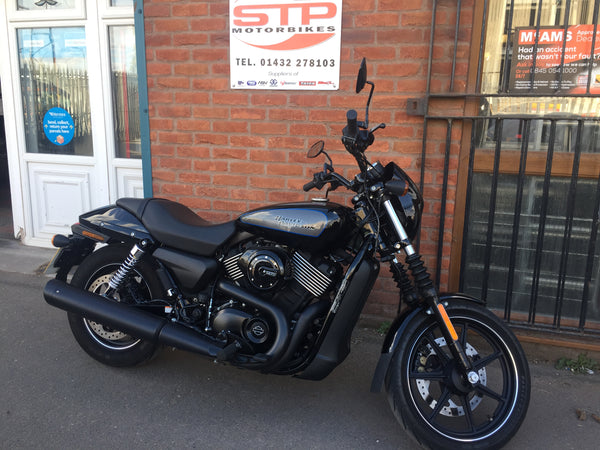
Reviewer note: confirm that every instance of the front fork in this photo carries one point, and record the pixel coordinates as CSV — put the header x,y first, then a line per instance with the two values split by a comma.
x,y
428,292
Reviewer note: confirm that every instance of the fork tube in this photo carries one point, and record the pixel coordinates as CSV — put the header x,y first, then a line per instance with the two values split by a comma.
x,y
427,290
400,231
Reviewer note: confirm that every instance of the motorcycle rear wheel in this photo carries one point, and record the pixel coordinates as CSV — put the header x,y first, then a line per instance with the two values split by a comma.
x,y
433,402
106,345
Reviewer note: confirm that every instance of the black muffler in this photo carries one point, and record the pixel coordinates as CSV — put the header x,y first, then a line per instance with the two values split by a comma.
x,y
127,319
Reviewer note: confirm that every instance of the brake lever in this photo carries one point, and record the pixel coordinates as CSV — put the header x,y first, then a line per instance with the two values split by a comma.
x,y
381,125
319,179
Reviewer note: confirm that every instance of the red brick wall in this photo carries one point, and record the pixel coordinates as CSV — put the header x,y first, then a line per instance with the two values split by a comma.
x,y
222,152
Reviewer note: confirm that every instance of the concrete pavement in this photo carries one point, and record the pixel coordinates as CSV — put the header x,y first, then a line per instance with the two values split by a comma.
x,y
54,396
18,258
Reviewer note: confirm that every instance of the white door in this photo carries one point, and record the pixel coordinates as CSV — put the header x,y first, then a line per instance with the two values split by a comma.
x,y
74,104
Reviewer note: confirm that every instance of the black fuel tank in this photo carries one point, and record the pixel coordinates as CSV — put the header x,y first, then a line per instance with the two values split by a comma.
x,y
310,225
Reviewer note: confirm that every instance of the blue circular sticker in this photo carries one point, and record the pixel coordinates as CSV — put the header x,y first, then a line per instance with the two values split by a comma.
x,y
58,126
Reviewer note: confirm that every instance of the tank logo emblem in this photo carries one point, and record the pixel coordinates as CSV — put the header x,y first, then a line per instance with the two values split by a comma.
x,y
294,221
301,221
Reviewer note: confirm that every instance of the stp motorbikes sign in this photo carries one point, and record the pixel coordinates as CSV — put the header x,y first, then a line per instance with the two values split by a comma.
x,y
285,44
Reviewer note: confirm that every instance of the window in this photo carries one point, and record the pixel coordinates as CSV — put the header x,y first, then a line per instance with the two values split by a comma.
x,y
26,5
55,90
530,245
124,83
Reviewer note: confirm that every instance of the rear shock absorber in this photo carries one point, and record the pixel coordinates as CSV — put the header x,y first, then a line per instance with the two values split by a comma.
x,y
116,281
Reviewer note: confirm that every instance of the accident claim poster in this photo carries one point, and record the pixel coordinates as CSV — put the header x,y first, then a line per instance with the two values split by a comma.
x,y
544,77
285,44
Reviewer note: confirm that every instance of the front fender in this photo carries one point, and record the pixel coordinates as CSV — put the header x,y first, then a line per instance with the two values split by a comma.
x,y
396,331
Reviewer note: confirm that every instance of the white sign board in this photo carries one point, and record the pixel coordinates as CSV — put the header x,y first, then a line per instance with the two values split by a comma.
x,y
285,44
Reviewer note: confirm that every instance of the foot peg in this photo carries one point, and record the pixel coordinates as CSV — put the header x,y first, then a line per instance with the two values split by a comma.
x,y
228,352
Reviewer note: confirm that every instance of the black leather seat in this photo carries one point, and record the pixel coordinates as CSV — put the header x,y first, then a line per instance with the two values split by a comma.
x,y
177,226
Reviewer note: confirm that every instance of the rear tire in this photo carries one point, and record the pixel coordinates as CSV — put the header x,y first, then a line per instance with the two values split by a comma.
x,y
109,346
432,401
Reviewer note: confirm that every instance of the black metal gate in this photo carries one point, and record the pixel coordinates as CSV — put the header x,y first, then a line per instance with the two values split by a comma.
x,y
530,184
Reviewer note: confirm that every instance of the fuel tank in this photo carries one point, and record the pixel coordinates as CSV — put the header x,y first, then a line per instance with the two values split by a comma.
x,y
309,225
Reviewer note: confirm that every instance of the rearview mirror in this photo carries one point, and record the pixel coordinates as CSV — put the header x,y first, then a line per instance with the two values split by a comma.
x,y
315,149
361,79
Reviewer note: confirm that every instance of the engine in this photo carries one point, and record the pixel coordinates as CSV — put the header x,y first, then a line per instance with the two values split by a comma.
x,y
285,276
265,269
288,278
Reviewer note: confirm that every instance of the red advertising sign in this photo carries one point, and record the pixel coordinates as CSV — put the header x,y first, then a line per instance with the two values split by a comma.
x,y
285,44
554,71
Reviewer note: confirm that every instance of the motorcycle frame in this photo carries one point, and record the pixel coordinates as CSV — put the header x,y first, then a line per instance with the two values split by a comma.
x,y
113,224
110,224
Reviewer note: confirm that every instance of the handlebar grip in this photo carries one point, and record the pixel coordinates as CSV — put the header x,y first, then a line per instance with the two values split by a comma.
x,y
351,129
308,186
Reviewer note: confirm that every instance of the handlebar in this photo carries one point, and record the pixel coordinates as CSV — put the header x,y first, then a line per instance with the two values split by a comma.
x,y
308,186
320,179
351,129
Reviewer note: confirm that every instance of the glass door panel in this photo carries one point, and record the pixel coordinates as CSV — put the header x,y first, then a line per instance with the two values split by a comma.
x,y
27,5
124,84
55,90
120,3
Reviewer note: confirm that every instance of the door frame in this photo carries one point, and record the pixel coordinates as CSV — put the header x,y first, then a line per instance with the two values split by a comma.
x,y
95,18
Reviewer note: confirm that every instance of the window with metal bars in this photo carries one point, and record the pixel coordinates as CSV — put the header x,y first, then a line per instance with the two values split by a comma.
x,y
532,210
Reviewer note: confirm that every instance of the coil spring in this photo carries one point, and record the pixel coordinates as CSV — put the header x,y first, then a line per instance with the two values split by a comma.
x,y
407,290
125,269
419,272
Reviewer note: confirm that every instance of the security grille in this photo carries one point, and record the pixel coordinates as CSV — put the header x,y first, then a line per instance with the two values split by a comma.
x,y
531,187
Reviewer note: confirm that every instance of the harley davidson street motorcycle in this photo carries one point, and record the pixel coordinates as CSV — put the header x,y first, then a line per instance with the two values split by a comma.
x,y
280,289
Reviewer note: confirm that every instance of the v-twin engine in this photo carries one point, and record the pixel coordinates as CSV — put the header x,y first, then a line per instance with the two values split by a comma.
x,y
268,268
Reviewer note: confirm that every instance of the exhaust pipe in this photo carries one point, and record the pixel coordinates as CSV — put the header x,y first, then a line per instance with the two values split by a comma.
x,y
302,327
277,350
127,319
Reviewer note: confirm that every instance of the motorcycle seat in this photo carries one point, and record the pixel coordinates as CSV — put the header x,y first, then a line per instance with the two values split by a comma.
x,y
177,226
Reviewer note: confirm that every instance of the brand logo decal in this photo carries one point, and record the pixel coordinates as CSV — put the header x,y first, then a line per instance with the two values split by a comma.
x,y
299,25
288,220
544,36
305,222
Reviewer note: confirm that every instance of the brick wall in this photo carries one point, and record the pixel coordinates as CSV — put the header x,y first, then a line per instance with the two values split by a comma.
x,y
222,152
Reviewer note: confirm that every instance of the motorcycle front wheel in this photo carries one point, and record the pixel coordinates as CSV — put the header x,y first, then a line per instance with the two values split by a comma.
x,y
103,343
433,401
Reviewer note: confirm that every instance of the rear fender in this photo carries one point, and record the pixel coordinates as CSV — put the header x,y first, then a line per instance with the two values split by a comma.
x,y
396,332
70,254
107,225
115,224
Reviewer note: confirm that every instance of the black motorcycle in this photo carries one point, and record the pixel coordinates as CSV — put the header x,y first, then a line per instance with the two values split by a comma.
x,y
281,288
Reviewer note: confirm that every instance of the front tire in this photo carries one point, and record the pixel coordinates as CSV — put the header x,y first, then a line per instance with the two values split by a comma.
x,y
432,400
109,346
